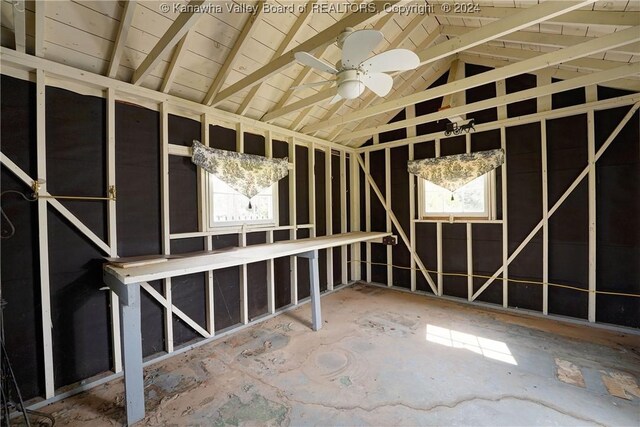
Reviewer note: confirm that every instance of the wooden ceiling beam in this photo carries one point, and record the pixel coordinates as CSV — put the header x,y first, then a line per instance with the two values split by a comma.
x,y
581,17
540,39
170,75
629,35
302,20
558,73
40,13
319,40
577,82
123,30
523,19
247,31
584,64
176,31
20,25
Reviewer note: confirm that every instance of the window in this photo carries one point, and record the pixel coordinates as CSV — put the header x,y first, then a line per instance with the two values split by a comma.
x,y
227,207
473,200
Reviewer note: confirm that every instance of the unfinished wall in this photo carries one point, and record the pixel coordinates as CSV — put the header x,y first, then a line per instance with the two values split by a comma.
x,y
543,157
146,144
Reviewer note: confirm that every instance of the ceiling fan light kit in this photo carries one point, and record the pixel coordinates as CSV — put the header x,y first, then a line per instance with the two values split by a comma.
x,y
357,69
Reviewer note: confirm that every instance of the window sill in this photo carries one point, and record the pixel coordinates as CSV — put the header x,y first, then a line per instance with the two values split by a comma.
x,y
459,221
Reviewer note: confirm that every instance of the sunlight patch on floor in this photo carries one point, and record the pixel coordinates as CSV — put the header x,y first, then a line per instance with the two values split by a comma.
x,y
491,349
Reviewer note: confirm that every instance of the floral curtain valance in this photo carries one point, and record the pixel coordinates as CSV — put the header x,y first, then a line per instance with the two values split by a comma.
x,y
248,174
452,172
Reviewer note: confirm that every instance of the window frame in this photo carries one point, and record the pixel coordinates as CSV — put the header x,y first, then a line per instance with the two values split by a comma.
x,y
489,201
229,226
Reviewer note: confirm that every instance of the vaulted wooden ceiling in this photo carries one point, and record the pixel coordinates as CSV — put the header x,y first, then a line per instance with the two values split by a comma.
x,y
238,56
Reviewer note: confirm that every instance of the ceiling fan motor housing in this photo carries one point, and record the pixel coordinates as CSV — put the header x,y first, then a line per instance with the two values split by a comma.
x,y
350,85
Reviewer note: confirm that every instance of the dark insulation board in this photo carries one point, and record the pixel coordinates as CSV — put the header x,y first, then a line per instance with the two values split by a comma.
x,y
21,286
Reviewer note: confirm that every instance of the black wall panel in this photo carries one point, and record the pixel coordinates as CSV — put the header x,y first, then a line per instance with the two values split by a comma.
x,y
480,93
400,206
516,84
304,289
378,216
226,287
79,309
188,293
569,226
76,154
321,213
76,163
431,106
226,281
183,177
617,204
426,244
257,279
282,267
395,134
336,183
138,207
524,204
19,255
282,273
302,185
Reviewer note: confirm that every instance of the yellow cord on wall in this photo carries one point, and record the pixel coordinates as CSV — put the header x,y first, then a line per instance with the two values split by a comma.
x,y
528,282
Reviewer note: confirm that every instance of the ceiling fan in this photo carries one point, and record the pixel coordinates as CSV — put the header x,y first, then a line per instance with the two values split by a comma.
x,y
358,69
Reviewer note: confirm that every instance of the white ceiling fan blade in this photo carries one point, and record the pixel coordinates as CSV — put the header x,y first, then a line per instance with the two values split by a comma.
x,y
306,59
335,99
320,83
379,83
358,46
391,60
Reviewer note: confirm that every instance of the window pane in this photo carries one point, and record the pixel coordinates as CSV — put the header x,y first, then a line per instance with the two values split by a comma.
x,y
228,206
469,199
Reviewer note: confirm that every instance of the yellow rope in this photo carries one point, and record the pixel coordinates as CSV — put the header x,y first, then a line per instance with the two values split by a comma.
x,y
528,282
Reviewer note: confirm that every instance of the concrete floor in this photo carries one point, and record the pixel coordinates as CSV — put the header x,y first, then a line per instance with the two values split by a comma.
x,y
388,358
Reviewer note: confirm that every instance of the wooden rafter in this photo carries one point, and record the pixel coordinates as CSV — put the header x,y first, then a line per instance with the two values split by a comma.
x,y
178,53
629,35
581,17
319,40
19,25
532,38
176,31
40,13
121,38
247,31
580,64
291,34
523,19
559,73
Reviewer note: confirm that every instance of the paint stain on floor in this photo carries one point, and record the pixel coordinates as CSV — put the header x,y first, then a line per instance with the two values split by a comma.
x,y
257,411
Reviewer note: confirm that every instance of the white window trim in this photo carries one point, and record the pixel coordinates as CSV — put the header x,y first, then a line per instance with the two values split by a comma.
x,y
489,203
232,226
